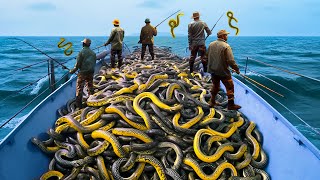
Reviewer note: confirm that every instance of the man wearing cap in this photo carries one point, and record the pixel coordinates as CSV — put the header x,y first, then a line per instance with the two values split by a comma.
x,y
146,38
220,57
116,39
196,38
86,62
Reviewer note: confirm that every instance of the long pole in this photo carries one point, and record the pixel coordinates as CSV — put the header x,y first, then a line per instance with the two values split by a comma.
x,y
52,76
167,18
63,66
215,25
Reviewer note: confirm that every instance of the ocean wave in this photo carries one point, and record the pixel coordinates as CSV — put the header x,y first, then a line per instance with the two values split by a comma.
x,y
309,55
17,50
309,131
274,52
15,121
298,85
39,85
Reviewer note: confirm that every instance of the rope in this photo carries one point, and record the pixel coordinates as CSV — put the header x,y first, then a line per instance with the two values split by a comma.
x,y
127,47
33,82
167,18
246,77
269,79
312,128
28,66
63,66
97,47
261,85
284,70
31,102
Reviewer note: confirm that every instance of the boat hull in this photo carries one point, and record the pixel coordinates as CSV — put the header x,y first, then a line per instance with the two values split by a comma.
x,y
291,155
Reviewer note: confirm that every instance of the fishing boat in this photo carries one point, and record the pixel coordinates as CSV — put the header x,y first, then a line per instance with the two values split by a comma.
x,y
291,155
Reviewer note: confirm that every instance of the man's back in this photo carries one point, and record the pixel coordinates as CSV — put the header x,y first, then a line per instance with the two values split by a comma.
x,y
220,56
147,33
196,34
86,60
117,35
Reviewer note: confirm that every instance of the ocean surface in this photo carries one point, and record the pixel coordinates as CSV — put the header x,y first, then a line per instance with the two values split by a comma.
x,y
297,54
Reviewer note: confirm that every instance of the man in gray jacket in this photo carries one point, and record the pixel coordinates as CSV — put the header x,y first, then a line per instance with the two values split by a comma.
x,y
220,57
196,38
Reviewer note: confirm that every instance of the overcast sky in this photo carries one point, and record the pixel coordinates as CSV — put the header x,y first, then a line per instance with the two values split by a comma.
x,y
94,17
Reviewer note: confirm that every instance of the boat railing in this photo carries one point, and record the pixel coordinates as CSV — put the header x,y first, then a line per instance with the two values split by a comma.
x,y
265,89
52,85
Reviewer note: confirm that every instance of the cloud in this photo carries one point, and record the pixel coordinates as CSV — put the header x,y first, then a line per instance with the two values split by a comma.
x,y
42,6
150,4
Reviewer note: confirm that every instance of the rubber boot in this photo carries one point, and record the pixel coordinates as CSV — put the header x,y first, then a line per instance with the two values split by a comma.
x,y
212,102
142,56
232,106
119,63
204,67
152,56
191,68
79,102
113,64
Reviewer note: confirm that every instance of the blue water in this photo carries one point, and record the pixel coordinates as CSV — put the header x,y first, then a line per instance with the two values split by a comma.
x,y
297,54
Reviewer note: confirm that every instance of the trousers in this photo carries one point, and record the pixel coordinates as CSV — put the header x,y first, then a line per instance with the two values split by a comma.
x,y
113,58
144,48
83,79
227,82
201,51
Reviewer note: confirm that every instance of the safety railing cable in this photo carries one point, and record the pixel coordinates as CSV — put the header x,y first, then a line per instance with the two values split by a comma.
x,y
312,128
31,65
30,84
284,70
24,107
259,74
259,84
63,66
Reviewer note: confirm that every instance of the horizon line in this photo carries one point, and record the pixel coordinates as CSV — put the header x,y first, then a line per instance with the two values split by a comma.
x,y
155,36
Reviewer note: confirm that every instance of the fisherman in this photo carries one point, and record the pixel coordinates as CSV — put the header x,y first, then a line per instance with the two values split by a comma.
x,y
86,62
146,38
196,38
220,57
116,39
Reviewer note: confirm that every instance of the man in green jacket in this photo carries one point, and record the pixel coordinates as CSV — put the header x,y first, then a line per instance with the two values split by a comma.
x,y
146,38
86,62
220,57
116,40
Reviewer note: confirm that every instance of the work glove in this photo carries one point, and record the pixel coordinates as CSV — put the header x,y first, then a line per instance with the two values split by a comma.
x,y
72,71
237,71
139,42
105,44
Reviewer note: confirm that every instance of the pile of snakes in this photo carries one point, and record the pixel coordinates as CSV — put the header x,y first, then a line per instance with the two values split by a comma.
x,y
152,120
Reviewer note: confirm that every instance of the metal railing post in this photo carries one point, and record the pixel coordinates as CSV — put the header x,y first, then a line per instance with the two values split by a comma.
x,y
52,76
245,70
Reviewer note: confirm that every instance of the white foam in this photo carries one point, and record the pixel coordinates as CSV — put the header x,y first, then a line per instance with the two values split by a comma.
x,y
13,123
36,89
